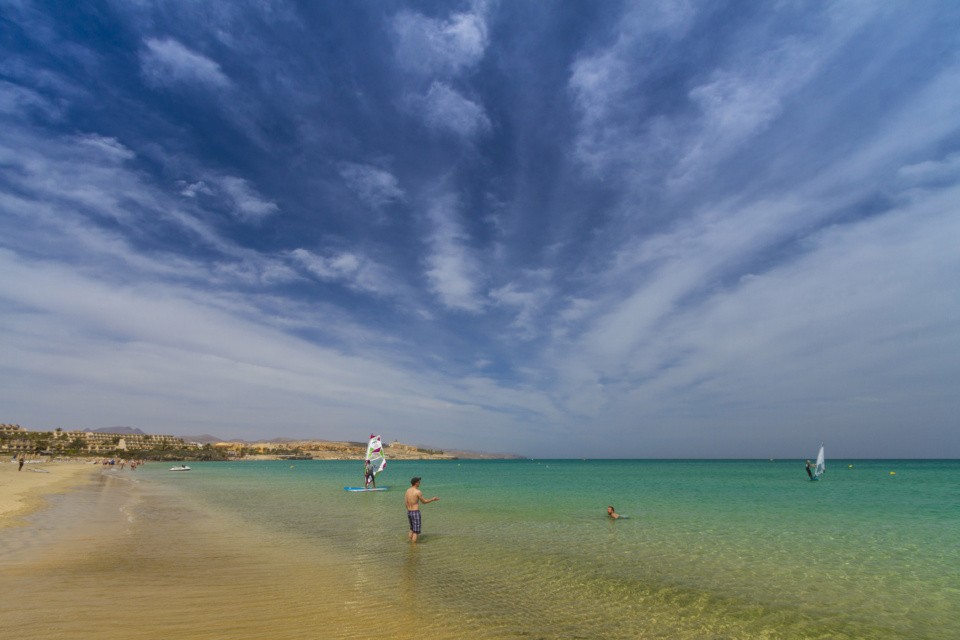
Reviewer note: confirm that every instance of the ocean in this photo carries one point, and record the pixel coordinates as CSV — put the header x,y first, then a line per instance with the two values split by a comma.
x,y
513,549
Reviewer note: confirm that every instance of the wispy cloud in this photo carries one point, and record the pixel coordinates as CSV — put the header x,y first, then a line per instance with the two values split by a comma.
x,y
168,63
374,186
444,110
607,84
453,272
18,101
432,46
440,51
248,205
526,297
354,270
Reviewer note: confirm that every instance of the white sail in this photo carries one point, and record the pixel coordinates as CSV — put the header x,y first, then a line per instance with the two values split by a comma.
x,y
375,454
821,467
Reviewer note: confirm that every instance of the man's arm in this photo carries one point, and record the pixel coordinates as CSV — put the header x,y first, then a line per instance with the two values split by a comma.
x,y
420,495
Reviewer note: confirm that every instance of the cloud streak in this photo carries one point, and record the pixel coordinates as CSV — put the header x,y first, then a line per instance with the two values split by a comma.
x,y
168,63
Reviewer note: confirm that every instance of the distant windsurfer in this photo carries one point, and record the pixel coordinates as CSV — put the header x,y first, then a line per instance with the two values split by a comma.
x,y
809,470
413,499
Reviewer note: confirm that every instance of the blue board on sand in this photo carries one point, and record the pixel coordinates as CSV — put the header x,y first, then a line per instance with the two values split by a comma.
x,y
365,489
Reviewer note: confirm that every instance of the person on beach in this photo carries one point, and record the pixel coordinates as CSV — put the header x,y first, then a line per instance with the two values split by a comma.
x,y
809,470
612,512
413,499
22,460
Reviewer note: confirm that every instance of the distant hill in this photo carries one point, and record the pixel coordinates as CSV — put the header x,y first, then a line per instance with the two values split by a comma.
x,y
207,438
204,439
123,431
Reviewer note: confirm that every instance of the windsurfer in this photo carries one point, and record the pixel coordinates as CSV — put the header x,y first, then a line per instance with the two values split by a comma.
x,y
369,477
809,470
413,499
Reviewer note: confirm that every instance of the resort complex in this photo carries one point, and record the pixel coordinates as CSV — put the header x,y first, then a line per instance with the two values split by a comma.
x,y
15,439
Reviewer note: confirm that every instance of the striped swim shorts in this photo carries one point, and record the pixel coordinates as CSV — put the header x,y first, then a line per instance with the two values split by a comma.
x,y
414,517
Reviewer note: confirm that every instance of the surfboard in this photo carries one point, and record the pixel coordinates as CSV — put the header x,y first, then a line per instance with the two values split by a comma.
x,y
365,489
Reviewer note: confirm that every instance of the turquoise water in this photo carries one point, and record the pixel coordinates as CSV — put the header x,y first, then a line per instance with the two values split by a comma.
x,y
711,549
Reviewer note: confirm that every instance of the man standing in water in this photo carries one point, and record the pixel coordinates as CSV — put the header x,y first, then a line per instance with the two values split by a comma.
x,y
413,498
368,475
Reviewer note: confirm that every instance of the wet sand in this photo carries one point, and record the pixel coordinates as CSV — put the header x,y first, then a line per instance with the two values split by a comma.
x,y
23,491
108,556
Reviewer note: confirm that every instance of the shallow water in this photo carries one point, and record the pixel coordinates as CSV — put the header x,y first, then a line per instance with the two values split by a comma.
x,y
513,549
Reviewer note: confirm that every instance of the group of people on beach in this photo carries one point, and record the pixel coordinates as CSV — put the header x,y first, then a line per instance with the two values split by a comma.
x,y
22,459
122,463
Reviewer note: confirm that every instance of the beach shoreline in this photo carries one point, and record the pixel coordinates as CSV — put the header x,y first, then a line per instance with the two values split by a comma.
x,y
82,543
25,491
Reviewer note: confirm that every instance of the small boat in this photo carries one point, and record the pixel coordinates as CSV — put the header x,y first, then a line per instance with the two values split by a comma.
x,y
181,467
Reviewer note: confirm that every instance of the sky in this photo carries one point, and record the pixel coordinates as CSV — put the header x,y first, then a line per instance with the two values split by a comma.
x,y
556,229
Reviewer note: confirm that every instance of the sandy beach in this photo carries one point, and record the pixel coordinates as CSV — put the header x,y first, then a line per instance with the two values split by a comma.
x,y
92,539
24,491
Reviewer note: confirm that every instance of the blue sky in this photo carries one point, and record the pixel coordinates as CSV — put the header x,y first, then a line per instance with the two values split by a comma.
x,y
651,229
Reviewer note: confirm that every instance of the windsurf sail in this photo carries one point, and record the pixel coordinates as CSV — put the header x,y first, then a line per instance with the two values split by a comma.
x,y
375,455
821,467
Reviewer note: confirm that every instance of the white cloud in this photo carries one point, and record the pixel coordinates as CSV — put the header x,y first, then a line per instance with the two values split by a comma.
x,y
445,110
168,63
430,46
248,205
737,104
63,188
106,147
190,190
83,174
527,297
376,187
355,271
452,270
240,197
252,270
